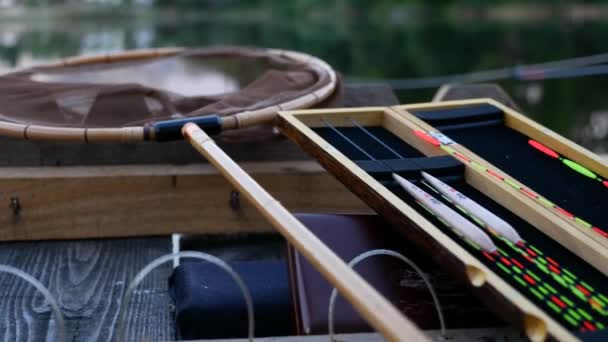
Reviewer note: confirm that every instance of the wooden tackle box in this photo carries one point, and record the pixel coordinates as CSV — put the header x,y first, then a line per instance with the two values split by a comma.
x,y
554,284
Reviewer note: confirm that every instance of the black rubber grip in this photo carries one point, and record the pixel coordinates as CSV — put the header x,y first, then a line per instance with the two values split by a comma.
x,y
170,130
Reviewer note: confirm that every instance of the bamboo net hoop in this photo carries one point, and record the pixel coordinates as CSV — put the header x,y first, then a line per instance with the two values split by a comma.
x,y
131,134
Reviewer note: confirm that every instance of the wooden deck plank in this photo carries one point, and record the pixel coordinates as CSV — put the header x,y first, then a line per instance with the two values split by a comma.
x,y
88,279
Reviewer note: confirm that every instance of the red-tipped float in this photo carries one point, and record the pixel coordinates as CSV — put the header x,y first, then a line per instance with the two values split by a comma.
x,y
603,233
544,149
422,135
565,212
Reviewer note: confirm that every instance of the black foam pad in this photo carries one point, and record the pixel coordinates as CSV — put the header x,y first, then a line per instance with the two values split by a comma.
x,y
209,304
459,115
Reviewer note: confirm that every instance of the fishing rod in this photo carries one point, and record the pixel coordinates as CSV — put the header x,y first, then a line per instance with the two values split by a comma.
x,y
566,68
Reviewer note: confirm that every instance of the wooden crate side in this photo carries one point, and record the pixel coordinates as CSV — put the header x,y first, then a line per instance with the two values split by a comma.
x,y
93,202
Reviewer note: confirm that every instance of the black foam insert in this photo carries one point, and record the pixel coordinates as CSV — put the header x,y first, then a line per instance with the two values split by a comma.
x,y
383,169
372,147
469,124
454,177
460,115
210,305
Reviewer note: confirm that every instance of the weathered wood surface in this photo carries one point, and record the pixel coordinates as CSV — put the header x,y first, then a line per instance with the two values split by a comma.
x,y
88,279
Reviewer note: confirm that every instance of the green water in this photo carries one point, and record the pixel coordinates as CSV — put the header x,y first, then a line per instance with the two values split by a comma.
x,y
364,40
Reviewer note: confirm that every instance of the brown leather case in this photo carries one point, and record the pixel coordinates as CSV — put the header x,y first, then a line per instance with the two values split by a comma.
x,y
351,235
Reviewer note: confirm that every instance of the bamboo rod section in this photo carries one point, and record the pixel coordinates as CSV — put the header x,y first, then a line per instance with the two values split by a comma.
x,y
381,314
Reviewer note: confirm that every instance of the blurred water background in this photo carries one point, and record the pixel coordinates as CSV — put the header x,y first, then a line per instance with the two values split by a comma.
x,y
365,40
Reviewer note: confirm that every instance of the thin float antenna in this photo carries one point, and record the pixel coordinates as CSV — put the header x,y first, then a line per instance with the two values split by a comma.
x,y
335,130
375,138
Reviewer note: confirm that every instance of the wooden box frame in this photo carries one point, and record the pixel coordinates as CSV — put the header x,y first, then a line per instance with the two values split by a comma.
x,y
507,301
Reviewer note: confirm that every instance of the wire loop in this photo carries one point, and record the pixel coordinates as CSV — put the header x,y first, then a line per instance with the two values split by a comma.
x,y
45,292
374,252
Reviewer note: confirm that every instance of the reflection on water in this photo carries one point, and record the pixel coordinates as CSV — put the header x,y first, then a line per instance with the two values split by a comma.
x,y
371,42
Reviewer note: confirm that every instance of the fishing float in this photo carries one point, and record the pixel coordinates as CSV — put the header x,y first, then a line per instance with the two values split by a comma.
x,y
558,300
492,222
571,164
461,225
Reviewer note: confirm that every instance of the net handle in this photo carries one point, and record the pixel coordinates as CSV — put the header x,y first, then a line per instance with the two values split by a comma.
x,y
379,313
171,128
